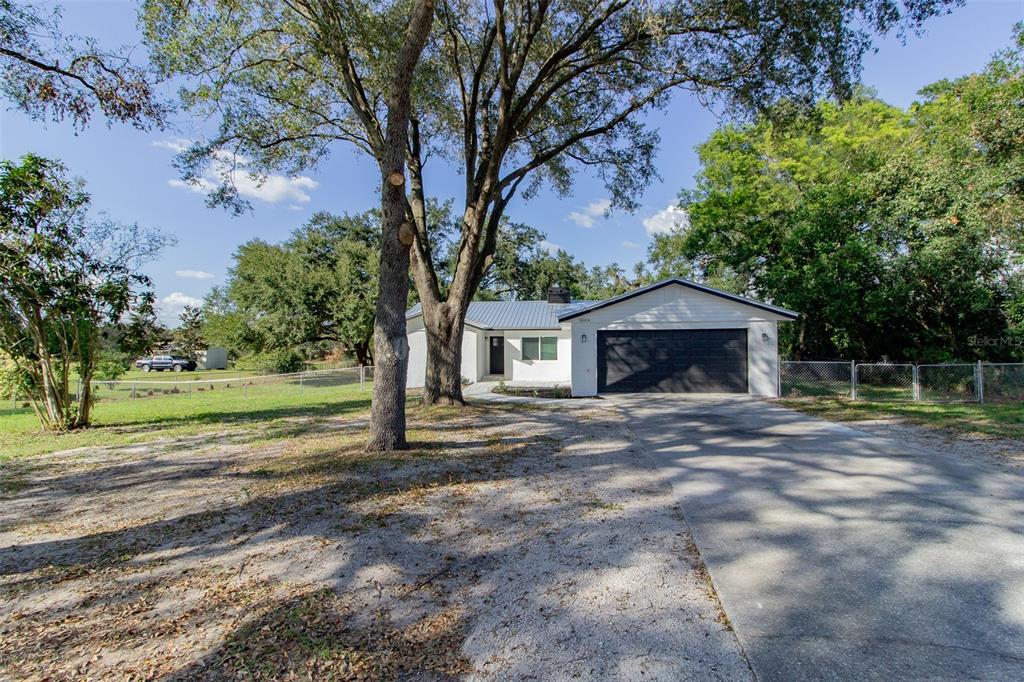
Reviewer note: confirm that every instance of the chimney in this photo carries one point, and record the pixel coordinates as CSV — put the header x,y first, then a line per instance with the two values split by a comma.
x,y
559,295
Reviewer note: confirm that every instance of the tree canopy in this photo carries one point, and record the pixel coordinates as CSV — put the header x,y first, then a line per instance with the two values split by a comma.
x,y
188,337
319,285
895,233
53,75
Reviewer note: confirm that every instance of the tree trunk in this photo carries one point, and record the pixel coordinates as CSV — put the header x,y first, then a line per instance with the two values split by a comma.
x,y
362,351
84,402
444,327
390,345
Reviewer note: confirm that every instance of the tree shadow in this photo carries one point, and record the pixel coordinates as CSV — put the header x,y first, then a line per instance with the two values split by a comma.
x,y
544,542
430,556
838,553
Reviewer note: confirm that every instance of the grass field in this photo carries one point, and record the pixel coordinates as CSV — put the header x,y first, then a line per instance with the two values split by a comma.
x,y
126,421
1005,420
197,375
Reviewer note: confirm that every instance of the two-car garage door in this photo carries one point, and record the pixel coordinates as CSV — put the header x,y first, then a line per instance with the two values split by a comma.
x,y
672,361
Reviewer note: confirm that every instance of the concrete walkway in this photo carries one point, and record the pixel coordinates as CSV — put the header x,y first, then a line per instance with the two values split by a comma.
x,y
838,555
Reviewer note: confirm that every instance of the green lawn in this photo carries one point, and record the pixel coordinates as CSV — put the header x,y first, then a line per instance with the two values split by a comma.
x,y
1004,420
124,421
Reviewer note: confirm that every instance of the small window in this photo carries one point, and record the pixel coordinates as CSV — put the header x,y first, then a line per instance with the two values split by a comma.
x,y
540,348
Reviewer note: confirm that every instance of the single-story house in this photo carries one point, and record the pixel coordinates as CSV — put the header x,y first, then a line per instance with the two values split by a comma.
x,y
672,336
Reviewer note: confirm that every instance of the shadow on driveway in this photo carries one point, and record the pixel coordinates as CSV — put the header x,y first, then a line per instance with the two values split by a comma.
x,y
839,555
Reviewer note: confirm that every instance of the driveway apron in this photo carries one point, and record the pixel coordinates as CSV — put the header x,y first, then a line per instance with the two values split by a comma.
x,y
840,555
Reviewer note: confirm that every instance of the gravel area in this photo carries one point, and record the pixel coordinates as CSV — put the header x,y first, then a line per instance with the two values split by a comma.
x,y
515,541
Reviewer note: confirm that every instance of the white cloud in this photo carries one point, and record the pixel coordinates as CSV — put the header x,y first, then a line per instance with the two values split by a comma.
x,y
194,274
586,215
168,308
199,185
177,145
667,220
581,219
273,188
630,245
550,247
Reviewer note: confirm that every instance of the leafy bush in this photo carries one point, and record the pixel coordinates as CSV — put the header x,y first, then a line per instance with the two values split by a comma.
x,y
14,381
273,362
111,366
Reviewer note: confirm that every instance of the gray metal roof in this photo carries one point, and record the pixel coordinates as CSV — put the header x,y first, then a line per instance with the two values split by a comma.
x,y
514,314
595,305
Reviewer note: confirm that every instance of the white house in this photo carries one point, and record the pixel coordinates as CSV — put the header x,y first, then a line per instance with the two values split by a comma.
x,y
672,336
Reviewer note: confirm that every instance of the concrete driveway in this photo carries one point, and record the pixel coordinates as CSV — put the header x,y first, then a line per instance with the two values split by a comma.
x,y
839,555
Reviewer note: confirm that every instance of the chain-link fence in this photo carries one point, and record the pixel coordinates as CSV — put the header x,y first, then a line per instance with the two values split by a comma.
x,y
884,381
878,381
236,386
1003,381
947,383
239,385
815,379
242,386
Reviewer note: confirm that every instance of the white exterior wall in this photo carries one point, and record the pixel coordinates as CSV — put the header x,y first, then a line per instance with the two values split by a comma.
x,y
517,369
482,358
678,307
763,358
416,374
472,349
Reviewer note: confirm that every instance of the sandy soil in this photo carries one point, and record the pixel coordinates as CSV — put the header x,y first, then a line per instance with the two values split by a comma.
x,y
513,542
1005,451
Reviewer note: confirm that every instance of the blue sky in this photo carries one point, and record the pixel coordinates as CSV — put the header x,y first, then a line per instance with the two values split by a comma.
x,y
130,176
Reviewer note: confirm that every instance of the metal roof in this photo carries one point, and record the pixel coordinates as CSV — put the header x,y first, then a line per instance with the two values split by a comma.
x,y
569,314
514,314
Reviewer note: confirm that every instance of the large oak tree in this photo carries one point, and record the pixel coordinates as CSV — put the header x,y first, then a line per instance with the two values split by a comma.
x,y
286,78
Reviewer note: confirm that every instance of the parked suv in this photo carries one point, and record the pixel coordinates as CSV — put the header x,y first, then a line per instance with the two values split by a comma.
x,y
175,363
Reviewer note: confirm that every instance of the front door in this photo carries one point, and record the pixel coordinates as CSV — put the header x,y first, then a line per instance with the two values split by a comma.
x,y
497,355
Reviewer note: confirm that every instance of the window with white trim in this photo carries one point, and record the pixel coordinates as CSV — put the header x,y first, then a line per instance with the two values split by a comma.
x,y
540,348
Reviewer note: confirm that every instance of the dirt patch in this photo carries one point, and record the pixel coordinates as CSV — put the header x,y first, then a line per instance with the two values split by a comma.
x,y
506,543
1006,451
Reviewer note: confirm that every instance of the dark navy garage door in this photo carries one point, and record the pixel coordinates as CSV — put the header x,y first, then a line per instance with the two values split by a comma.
x,y
672,361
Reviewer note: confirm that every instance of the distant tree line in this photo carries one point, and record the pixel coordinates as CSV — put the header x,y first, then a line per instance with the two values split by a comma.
x,y
316,291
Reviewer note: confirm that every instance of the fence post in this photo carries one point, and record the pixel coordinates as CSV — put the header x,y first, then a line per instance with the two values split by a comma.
x,y
916,374
362,376
190,390
134,385
979,381
853,379
300,382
